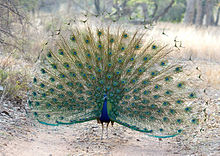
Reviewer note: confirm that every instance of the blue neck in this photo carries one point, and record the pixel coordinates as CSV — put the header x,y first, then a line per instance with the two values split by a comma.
x,y
104,116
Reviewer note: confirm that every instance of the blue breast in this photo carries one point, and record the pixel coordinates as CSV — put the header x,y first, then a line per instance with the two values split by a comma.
x,y
104,116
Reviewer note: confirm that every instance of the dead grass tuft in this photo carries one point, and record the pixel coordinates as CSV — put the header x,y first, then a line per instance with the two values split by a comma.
x,y
14,77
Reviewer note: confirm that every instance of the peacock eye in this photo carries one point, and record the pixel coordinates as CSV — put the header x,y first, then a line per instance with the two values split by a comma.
x,y
99,33
111,40
154,47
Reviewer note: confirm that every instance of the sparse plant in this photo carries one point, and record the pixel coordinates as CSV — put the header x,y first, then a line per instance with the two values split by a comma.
x,y
13,81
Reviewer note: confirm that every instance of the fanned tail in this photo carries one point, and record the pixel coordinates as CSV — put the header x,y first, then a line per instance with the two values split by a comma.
x,y
146,90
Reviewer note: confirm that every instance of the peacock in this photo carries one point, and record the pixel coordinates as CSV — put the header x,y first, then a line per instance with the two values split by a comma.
x,y
109,75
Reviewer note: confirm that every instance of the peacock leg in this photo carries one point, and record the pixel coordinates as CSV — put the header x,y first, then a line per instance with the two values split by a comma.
x,y
107,128
102,130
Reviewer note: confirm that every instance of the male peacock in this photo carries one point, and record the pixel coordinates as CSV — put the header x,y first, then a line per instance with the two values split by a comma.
x,y
112,76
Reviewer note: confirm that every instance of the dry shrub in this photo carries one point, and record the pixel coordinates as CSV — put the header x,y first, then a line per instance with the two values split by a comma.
x,y
13,78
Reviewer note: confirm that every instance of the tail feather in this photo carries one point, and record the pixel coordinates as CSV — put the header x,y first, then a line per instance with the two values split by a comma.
x,y
146,88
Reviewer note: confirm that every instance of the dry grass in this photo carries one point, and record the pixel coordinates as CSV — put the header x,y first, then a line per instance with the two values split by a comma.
x,y
211,72
200,42
14,77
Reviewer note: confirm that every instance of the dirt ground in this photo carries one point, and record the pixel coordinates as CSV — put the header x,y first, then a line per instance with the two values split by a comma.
x,y
84,139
